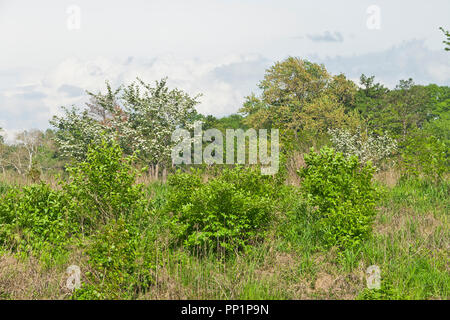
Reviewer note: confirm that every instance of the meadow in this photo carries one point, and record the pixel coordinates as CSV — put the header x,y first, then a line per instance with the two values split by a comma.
x,y
362,181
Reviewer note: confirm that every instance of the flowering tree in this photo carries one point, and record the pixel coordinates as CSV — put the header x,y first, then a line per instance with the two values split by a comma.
x,y
366,147
139,116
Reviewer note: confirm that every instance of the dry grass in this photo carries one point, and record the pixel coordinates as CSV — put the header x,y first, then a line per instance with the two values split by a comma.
x,y
294,163
27,279
388,177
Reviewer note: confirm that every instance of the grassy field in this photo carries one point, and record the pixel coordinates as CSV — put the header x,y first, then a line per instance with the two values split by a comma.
x,y
410,244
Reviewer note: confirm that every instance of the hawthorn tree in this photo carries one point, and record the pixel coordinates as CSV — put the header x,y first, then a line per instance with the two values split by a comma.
x,y
140,117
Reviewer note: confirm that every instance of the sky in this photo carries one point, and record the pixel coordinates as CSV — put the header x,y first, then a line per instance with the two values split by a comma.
x,y
52,51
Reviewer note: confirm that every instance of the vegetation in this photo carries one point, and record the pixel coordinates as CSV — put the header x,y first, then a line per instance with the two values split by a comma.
x,y
363,181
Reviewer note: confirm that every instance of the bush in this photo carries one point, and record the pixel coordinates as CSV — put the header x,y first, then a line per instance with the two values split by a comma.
x,y
121,261
35,217
224,213
103,186
427,156
342,194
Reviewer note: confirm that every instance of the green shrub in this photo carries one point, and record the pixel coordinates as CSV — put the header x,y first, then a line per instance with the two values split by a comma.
x,y
103,186
427,156
225,213
386,292
342,194
35,218
121,261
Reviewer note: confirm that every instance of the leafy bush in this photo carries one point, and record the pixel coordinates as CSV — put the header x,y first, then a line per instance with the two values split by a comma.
x,y
103,186
425,155
121,262
342,194
35,217
223,213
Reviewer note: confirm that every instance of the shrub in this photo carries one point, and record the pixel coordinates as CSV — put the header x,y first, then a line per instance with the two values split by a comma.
x,y
225,213
103,186
121,261
427,156
35,217
342,194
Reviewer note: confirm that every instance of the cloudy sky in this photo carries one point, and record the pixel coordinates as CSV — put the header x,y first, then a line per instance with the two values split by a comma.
x,y
51,51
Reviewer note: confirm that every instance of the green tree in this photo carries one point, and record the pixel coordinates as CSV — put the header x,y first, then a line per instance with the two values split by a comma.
x,y
446,42
370,102
294,91
407,108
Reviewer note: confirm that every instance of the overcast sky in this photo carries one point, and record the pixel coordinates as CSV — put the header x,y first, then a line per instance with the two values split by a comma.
x,y
51,51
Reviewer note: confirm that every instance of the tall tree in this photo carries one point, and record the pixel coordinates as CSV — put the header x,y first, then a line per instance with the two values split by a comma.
x,y
408,107
29,141
370,102
295,91
141,117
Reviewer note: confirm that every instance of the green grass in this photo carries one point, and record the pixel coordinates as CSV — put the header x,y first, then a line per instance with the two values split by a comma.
x,y
409,243
4,187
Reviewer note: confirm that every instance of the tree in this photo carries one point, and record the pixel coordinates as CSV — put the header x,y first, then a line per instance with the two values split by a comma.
x,y
292,91
140,117
326,112
29,141
370,102
446,42
408,107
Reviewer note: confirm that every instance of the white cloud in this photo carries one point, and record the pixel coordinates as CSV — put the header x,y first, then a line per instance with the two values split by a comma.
x,y
223,84
29,98
411,59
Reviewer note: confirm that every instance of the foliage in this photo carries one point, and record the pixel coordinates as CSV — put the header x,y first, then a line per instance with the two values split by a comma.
x,y
227,212
407,108
341,191
447,41
386,292
425,155
295,92
325,112
37,218
121,262
370,103
103,186
135,237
